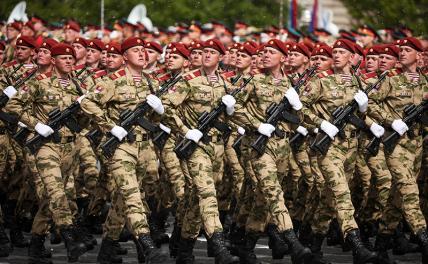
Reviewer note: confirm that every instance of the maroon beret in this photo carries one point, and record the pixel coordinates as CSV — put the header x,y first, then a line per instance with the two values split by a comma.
x,y
113,47
95,44
390,49
16,25
301,48
323,50
374,50
194,45
81,41
154,46
131,42
26,41
252,43
72,25
62,49
288,44
412,42
260,48
248,48
278,45
215,44
358,49
48,43
235,45
180,49
30,25
344,44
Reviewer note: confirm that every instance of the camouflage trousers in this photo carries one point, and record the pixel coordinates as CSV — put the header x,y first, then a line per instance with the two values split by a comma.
x,y
177,175
55,164
127,170
270,169
234,167
338,162
404,165
205,168
423,177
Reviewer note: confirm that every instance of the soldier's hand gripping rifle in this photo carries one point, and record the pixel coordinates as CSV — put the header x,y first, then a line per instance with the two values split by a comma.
x,y
281,113
344,115
129,119
412,114
206,122
9,78
161,136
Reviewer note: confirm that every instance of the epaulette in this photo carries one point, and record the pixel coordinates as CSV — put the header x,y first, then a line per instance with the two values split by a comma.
x,y
159,71
10,63
192,75
99,73
229,74
43,76
78,67
325,73
117,74
369,75
164,77
394,72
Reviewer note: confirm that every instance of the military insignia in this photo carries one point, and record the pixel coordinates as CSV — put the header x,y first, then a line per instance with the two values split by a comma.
x,y
325,73
172,89
192,75
98,89
99,74
369,75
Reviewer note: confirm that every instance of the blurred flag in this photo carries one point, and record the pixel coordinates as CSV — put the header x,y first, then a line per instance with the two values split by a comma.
x,y
314,17
292,17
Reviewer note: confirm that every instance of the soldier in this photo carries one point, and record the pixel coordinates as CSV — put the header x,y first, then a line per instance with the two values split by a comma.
x,y
202,90
12,32
54,160
195,55
71,31
94,49
154,51
129,163
403,162
80,44
325,95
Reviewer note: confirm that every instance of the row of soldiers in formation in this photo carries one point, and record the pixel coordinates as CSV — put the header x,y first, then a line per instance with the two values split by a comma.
x,y
275,144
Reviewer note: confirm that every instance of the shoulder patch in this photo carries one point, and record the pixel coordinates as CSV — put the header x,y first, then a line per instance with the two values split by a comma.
x,y
325,73
159,71
78,67
228,74
394,72
10,63
164,77
43,76
117,74
99,73
369,75
192,75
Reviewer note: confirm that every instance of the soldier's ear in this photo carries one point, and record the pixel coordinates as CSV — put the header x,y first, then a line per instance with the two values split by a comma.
x,y
53,60
186,63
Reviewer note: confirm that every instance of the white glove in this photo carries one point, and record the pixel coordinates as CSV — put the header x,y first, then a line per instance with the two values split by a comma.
x,y
316,130
241,131
293,99
362,100
44,130
81,98
10,91
302,130
194,134
20,124
330,129
377,130
229,102
399,126
155,103
266,129
165,128
119,132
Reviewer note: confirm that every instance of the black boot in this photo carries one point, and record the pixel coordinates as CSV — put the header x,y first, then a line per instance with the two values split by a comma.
x,y
381,247
119,249
316,245
365,233
422,237
107,253
334,236
299,253
151,253
17,239
84,235
158,236
221,254
360,253
4,243
400,244
246,251
185,251
140,251
55,237
305,235
93,224
237,236
35,250
276,242
174,241
75,248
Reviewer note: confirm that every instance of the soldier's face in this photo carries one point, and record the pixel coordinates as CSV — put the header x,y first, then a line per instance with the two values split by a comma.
x,y
408,55
322,62
372,63
70,35
175,62
243,60
232,57
260,60
44,57
63,63
211,57
152,55
11,33
196,57
341,58
93,55
254,62
136,56
365,39
114,61
296,59
80,51
103,58
26,31
23,53
386,62
272,57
